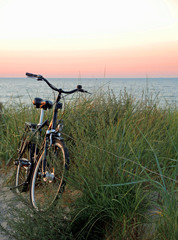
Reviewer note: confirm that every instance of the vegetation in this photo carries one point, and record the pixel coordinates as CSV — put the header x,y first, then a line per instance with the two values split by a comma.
x,y
122,181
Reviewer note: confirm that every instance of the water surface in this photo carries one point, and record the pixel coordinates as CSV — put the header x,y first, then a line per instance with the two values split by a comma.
x,y
25,89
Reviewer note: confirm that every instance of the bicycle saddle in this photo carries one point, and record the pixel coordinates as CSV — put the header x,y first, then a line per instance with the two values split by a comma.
x,y
40,103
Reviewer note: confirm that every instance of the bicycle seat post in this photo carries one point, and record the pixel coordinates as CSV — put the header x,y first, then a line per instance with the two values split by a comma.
x,y
41,116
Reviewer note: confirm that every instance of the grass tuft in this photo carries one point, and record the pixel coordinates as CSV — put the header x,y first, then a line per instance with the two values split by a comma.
x,y
122,181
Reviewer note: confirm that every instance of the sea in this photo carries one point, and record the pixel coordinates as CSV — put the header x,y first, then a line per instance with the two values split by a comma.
x,y
162,90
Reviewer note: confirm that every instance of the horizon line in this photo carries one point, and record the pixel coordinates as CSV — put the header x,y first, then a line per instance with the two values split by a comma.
x,y
95,77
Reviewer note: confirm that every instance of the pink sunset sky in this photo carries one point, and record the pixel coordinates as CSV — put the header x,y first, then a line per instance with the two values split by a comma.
x,y
90,38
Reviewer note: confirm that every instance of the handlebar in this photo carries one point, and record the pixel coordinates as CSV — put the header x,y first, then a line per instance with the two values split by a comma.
x,y
41,78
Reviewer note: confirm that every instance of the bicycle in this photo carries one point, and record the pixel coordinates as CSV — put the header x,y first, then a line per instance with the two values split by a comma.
x,y
43,168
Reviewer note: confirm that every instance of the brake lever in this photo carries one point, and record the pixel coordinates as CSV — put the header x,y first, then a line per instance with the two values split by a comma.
x,y
84,91
39,78
87,92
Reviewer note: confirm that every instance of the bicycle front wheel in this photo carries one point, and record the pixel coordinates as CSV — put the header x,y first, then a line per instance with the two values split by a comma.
x,y
45,190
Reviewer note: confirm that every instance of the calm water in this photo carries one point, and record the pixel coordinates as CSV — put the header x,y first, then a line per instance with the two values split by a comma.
x,y
25,89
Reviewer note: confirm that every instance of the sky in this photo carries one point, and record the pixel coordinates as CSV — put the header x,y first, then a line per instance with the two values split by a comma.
x,y
89,38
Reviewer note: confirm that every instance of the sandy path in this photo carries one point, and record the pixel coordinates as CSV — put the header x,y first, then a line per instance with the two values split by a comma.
x,y
6,195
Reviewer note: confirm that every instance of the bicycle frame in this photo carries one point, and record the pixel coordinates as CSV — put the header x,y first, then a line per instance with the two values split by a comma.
x,y
52,133
32,129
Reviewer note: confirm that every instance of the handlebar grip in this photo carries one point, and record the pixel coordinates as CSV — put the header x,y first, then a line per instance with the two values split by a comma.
x,y
38,77
31,75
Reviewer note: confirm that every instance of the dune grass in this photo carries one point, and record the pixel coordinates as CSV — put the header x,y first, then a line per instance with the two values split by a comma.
x,y
123,166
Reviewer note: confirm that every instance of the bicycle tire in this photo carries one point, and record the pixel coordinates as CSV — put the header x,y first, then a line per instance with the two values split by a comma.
x,y
44,191
24,168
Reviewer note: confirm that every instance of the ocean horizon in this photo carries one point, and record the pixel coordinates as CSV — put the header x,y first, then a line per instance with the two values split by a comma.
x,y
25,89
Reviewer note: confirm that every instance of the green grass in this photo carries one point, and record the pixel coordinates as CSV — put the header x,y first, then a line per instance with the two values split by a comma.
x,y
122,181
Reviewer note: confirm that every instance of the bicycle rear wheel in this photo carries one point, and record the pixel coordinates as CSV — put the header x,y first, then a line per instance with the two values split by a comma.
x,y
45,190
24,168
